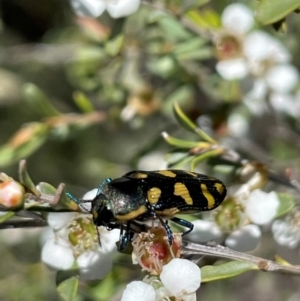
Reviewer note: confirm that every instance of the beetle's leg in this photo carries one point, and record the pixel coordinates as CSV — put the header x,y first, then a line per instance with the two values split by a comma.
x,y
168,229
183,223
164,224
137,227
125,236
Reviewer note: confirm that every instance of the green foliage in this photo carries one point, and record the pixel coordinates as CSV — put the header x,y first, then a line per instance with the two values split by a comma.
x,y
226,270
271,11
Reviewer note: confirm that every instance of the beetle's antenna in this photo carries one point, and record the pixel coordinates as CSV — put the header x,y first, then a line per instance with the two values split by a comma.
x,y
80,201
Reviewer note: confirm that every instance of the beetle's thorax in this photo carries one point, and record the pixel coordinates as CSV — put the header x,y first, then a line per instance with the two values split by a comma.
x,y
126,201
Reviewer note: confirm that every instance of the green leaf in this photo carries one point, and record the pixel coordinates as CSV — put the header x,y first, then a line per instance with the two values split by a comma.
x,y
190,125
26,141
6,216
287,202
180,143
67,289
38,101
226,270
25,179
192,4
163,66
271,11
206,155
173,29
205,19
83,102
182,163
114,46
188,46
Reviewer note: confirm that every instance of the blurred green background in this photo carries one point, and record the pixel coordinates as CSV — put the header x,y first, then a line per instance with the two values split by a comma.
x,y
85,99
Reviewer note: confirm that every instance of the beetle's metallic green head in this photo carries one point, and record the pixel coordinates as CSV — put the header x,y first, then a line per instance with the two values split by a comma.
x,y
102,211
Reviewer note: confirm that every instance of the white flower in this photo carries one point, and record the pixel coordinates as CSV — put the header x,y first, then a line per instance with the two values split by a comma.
x,y
74,240
244,239
282,78
261,207
181,277
237,17
232,69
138,290
116,8
58,254
94,265
238,125
286,234
259,46
152,161
204,231
254,98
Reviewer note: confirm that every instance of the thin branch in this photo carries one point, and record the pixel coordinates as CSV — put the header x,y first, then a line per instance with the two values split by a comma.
x,y
23,224
223,252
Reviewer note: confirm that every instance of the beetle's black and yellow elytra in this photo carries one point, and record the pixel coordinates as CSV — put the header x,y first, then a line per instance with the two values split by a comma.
x,y
143,195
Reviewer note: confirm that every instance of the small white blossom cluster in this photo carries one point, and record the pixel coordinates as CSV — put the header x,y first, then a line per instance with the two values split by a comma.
x,y
73,243
287,232
259,208
180,278
95,8
257,56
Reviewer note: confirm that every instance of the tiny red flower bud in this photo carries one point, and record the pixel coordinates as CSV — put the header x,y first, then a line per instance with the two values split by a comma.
x,y
11,194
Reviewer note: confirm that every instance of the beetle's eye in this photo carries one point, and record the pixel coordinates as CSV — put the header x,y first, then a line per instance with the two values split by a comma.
x,y
102,213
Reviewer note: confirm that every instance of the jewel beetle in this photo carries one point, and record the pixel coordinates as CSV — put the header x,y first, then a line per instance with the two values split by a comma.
x,y
139,196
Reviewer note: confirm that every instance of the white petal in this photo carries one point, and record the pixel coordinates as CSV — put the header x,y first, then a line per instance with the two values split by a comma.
x,y
90,194
238,125
204,231
237,17
284,103
282,78
94,265
45,235
232,69
152,161
258,45
88,8
109,239
181,276
57,254
285,234
122,8
245,239
254,99
138,290
261,207
58,220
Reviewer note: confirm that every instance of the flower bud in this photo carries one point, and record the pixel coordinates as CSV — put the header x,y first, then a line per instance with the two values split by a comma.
x,y
11,194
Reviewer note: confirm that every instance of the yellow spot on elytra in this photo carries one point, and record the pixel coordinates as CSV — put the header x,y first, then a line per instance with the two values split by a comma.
x,y
181,190
167,173
210,199
139,175
153,195
131,215
168,212
219,187
192,173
